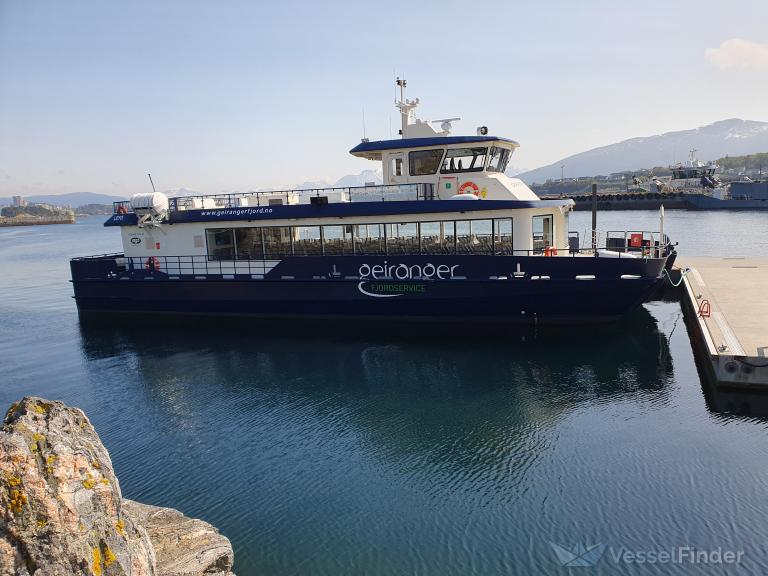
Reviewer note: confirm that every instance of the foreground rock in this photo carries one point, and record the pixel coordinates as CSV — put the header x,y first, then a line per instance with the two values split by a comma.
x,y
62,513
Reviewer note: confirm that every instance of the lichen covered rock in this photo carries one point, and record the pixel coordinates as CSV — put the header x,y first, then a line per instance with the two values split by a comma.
x,y
184,546
61,510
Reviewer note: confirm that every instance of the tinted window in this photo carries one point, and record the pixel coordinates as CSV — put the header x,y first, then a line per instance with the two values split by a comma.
x,y
249,244
498,159
221,243
464,160
424,162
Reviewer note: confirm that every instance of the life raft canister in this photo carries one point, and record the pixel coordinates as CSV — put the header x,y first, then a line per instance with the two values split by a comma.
x,y
470,188
152,263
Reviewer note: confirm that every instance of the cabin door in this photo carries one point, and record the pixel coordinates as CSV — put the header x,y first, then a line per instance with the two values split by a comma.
x,y
397,169
447,186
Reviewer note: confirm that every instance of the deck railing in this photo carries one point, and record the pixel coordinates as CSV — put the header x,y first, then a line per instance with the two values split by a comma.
x,y
119,266
372,193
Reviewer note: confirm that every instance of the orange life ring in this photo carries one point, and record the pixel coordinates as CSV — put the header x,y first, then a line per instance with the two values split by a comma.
x,y
475,188
550,251
152,263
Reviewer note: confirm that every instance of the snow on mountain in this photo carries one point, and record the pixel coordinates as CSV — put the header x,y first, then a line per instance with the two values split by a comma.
x,y
360,179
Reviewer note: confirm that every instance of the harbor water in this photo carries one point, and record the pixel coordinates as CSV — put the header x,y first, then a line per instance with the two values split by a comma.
x,y
428,451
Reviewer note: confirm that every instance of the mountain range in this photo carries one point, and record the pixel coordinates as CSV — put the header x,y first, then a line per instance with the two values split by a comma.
x,y
732,137
73,199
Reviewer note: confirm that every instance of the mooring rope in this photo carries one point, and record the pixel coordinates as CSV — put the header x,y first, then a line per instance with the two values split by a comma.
x,y
683,273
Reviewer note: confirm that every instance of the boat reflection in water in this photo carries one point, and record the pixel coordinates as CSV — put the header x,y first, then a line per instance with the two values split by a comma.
x,y
438,369
295,445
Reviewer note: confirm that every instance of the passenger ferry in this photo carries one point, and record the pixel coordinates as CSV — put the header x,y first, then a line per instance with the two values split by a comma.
x,y
448,237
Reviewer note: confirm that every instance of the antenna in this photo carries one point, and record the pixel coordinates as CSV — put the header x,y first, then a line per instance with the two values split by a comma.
x,y
402,84
394,75
364,138
150,181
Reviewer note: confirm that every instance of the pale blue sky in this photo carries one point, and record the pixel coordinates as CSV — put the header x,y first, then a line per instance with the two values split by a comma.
x,y
224,95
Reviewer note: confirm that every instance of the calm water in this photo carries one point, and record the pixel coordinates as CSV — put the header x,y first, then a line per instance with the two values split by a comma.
x,y
432,452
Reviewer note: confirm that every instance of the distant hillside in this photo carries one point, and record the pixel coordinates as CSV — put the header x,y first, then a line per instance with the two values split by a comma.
x,y
71,199
725,138
749,162
347,181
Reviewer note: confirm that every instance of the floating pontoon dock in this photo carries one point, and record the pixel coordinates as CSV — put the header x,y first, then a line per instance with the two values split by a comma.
x,y
726,304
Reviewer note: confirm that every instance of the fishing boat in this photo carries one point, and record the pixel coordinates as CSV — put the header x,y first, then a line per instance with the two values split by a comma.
x,y
448,236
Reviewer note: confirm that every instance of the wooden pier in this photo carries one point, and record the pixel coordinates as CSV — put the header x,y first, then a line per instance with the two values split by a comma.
x,y
725,301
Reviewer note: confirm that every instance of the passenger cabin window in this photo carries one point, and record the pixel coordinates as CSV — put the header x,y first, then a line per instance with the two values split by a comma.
x,y
464,160
338,241
369,239
503,236
498,159
221,243
403,238
250,245
424,162
543,234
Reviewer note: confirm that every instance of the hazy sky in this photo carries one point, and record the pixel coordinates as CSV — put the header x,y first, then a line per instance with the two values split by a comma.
x,y
224,95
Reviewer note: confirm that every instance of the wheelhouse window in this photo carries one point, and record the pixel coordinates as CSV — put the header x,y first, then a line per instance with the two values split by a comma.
x,y
464,160
497,159
424,162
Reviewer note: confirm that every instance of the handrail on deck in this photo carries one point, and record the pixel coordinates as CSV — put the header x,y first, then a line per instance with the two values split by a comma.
x,y
257,198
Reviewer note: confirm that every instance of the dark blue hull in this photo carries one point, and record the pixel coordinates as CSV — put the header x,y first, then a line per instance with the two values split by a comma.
x,y
703,202
449,288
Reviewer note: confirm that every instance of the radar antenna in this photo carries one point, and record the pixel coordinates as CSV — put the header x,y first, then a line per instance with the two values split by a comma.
x,y
445,124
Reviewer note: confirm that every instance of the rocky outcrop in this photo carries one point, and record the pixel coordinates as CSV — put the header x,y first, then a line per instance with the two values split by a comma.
x,y
62,513
184,546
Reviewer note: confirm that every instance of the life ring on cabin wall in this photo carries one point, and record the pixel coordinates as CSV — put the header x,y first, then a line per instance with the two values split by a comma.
x,y
469,188
152,263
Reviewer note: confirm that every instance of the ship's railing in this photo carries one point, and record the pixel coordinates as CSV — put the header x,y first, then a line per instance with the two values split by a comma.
x,y
121,207
372,193
194,267
632,242
376,193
